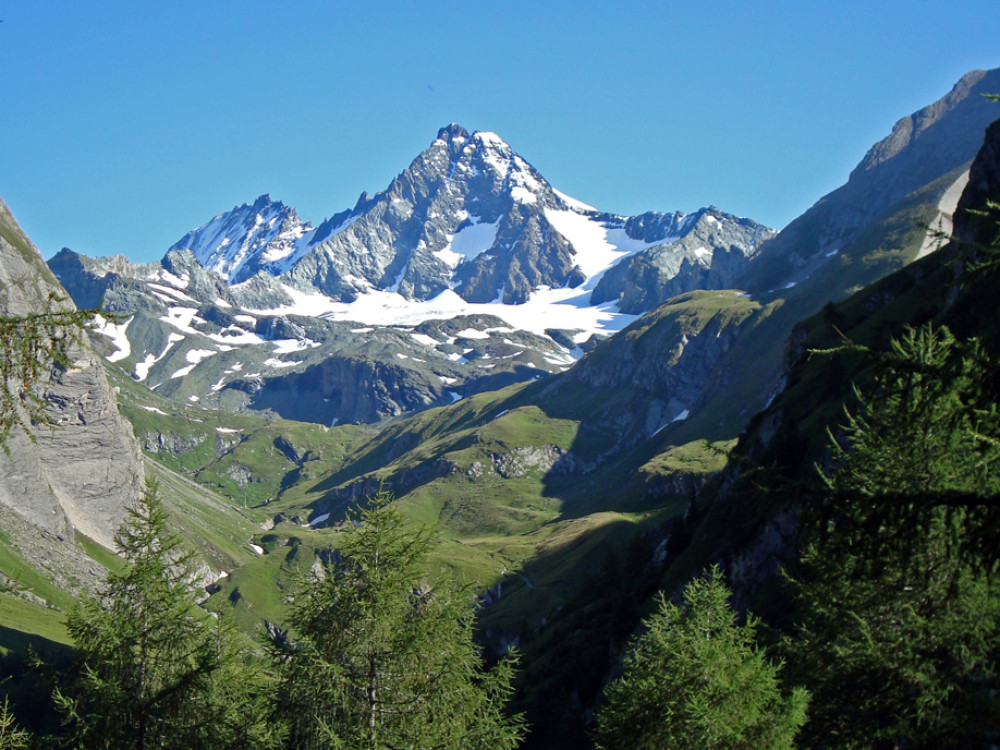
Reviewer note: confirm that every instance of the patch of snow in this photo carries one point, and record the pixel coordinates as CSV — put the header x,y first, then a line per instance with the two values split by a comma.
x,y
172,292
523,195
468,243
154,410
164,297
181,318
319,519
595,247
142,368
183,371
682,416
573,202
546,308
424,339
194,399
471,333
362,330
256,548
454,396
289,346
221,302
241,318
178,282
272,362
235,335
447,380
117,333
194,356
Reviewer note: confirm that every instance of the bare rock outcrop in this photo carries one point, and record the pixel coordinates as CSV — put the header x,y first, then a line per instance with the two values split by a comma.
x,y
81,472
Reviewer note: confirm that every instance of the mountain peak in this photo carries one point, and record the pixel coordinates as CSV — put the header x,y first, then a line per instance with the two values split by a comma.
x,y
452,131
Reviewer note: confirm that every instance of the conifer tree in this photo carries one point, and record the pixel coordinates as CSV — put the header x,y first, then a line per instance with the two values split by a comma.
x,y
899,598
12,737
696,679
154,670
378,659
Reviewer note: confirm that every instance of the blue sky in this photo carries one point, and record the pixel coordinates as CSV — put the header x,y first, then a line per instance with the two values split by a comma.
x,y
125,124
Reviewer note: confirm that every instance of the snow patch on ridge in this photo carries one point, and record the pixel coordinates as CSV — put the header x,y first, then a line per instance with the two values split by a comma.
x,y
469,242
573,202
117,333
596,247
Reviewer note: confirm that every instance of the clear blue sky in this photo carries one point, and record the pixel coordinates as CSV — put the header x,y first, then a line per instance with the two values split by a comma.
x,y
124,124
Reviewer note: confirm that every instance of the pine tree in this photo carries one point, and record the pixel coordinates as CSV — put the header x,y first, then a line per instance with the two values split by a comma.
x,y
378,659
154,670
696,679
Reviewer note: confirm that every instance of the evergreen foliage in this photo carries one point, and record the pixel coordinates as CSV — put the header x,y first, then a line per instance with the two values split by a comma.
x,y
12,737
696,679
379,660
923,443
154,670
899,598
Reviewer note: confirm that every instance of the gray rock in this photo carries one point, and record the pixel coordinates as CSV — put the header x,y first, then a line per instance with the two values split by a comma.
x,y
81,473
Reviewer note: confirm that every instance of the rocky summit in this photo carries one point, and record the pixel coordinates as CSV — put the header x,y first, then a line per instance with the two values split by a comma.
x,y
257,306
471,216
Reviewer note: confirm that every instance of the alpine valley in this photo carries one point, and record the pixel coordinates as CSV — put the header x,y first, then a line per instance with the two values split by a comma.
x,y
556,390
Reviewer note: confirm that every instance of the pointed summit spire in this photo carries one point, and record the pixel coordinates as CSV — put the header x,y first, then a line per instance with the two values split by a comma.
x,y
452,131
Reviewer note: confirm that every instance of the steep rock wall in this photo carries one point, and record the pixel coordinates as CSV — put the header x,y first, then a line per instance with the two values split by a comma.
x,y
80,473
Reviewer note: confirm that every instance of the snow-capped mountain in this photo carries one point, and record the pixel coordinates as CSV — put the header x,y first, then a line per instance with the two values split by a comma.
x,y
471,216
470,271
237,243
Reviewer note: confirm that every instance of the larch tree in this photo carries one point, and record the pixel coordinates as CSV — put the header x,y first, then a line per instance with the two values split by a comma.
x,y
697,679
154,670
378,659
898,596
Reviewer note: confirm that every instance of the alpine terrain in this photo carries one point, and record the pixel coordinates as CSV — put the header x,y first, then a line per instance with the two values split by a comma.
x,y
579,435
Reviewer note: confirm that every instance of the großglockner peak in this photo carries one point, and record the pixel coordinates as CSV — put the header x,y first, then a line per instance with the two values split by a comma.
x,y
471,216
469,272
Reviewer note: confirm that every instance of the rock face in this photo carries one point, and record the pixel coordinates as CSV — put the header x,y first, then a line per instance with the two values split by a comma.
x,y
80,474
983,187
713,252
654,374
923,147
472,216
